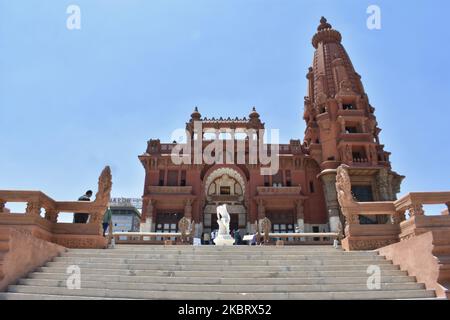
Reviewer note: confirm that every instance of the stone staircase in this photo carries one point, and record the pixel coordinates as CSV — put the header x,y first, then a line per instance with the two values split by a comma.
x,y
209,272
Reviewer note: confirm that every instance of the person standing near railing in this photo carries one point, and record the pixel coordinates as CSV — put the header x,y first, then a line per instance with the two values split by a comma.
x,y
83,217
106,219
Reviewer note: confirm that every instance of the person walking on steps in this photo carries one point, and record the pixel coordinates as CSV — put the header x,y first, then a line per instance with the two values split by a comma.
x,y
83,217
106,220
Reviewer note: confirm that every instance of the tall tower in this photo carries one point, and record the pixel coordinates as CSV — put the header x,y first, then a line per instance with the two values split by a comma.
x,y
342,127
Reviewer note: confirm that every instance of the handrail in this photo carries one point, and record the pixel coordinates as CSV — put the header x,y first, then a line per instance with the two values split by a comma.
x,y
37,200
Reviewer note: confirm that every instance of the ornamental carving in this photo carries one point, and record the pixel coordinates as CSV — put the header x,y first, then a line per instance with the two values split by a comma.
x,y
102,197
186,228
104,187
344,187
33,209
370,244
227,174
383,184
51,215
266,226
416,210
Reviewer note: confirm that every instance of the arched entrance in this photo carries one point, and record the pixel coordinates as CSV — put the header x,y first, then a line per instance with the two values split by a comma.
x,y
225,185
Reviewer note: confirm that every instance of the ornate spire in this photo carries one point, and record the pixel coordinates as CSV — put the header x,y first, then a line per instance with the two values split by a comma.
x,y
324,25
325,33
254,114
196,116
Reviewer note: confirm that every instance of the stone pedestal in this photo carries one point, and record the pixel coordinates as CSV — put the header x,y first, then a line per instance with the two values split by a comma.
x,y
224,240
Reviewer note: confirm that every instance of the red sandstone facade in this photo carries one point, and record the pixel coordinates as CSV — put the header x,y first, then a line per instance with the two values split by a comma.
x,y
341,129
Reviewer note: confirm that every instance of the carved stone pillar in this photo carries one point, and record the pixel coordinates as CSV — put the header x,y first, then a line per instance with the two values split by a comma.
x,y
261,210
2,205
300,214
384,185
374,155
329,185
448,206
348,154
416,210
33,209
147,225
188,209
398,218
51,215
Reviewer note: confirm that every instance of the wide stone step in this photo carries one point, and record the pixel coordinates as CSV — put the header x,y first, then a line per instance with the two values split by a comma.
x,y
180,295
214,247
201,287
227,262
220,257
224,274
39,296
216,251
217,280
221,267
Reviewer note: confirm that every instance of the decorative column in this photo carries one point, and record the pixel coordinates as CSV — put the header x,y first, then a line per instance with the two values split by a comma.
x,y
261,213
188,210
383,185
299,206
329,185
348,154
2,205
416,209
147,225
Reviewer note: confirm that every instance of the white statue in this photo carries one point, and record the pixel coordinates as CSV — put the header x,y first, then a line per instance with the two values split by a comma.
x,y
223,219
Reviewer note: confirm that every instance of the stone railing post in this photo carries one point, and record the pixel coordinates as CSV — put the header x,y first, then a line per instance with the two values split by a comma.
x,y
33,209
2,205
416,209
398,217
51,215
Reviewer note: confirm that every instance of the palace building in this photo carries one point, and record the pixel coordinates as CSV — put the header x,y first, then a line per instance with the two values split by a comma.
x,y
341,128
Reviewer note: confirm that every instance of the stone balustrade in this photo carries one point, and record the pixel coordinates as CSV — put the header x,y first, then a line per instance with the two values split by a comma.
x,y
169,190
41,215
262,191
398,227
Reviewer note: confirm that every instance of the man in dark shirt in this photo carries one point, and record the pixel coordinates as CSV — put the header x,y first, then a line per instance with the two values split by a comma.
x,y
83,217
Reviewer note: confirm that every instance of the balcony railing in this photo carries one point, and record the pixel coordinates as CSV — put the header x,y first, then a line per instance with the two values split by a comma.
x,y
358,137
262,191
169,190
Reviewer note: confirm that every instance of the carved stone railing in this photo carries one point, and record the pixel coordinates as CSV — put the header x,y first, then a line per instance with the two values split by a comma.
x,y
266,191
365,237
417,222
225,198
46,227
185,235
169,190
368,237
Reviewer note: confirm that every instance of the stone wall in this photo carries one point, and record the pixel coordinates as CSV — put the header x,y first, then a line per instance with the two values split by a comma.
x,y
425,257
23,253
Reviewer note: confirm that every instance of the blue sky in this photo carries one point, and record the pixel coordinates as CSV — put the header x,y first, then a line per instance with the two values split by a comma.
x,y
72,102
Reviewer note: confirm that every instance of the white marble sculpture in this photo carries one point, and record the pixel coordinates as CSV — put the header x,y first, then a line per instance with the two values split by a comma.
x,y
223,219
